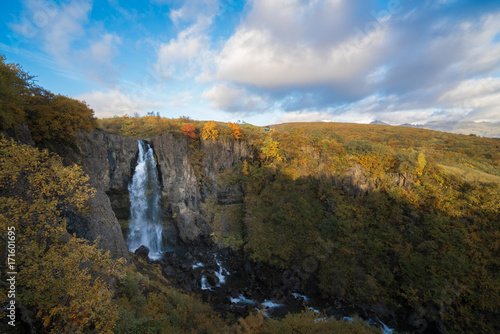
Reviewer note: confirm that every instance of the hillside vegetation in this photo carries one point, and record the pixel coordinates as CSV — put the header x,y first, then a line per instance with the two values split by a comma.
x,y
74,287
51,118
400,217
404,217
65,284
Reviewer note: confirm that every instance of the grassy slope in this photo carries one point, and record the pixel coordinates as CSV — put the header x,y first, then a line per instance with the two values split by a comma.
x,y
467,156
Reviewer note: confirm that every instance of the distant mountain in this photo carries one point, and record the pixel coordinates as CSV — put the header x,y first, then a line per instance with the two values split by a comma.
x,y
418,126
483,129
377,122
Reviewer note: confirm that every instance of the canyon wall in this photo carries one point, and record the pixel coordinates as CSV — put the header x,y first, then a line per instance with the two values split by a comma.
x,y
110,160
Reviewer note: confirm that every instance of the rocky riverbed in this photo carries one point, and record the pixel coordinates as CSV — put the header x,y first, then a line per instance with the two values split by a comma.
x,y
235,285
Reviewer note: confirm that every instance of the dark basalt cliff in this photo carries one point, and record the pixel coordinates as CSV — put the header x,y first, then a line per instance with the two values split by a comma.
x,y
183,194
110,161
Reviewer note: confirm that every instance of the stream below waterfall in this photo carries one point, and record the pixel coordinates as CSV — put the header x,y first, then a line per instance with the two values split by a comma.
x,y
228,281
232,284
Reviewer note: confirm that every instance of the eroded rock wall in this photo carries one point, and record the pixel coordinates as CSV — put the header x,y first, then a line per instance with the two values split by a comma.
x,y
183,192
109,160
110,157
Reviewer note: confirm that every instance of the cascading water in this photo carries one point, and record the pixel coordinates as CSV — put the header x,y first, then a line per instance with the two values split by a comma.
x,y
144,191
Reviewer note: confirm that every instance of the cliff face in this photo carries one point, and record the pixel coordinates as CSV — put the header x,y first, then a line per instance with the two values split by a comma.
x,y
110,157
181,201
110,161
182,193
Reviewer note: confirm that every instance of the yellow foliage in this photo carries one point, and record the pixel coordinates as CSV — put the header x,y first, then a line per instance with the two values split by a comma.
x,y
375,164
64,278
247,169
271,149
253,323
210,131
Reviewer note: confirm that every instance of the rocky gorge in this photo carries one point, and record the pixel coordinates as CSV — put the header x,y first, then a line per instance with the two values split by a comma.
x,y
110,161
194,262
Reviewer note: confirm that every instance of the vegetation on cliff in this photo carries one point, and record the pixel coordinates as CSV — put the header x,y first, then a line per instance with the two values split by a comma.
x,y
50,118
403,217
65,284
399,216
65,279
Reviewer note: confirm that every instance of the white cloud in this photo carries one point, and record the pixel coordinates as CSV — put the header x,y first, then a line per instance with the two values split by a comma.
x,y
483,92
65,32
105,48
378,75
253,55
56,27
394,117
189,53
180,100
182,55
115,103
305,116
480,95
192,9
376,107
346,61
234,99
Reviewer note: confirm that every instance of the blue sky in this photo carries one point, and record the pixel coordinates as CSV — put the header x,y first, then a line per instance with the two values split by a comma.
x,y
265,61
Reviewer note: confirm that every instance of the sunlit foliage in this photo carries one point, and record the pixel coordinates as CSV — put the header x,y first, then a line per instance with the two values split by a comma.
x,y
188,130
236,131
65,279
210,131
50,117
56,117
14,85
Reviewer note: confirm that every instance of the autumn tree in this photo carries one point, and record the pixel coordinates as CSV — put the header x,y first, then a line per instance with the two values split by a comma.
x,y
64,278
188,130
14,85
210,131
57,117
236,131
271,150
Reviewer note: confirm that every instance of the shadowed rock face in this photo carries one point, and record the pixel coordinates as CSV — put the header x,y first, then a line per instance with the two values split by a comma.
x,y
100,221
182,194
111,158
110,161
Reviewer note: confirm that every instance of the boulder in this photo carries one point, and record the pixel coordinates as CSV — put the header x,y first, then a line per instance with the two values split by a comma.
x,y
142,251
212,279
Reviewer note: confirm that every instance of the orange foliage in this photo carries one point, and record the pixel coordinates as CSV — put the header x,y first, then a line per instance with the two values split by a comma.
x,y
188,130
237,133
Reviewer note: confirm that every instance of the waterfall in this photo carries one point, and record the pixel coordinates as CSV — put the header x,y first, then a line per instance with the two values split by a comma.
x,y
145,224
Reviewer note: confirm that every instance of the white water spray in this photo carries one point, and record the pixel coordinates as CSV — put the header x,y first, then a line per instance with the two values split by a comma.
x,y
144,191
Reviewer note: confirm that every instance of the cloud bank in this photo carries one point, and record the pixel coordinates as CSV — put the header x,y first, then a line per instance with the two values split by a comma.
x,y
401,62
